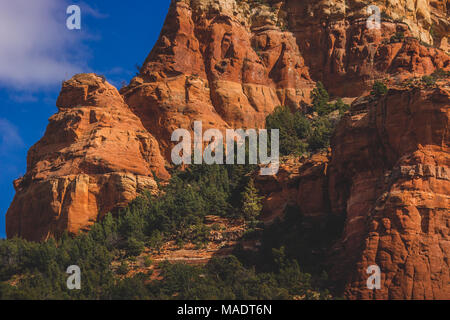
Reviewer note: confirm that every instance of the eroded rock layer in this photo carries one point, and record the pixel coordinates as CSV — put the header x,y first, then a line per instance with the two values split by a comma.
x,y
224,62
346,56
94,156
229,63
390,176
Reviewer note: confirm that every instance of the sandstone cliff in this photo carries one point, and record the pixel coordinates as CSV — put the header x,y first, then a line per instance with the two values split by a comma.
x,y
340,51
94,156
389,175
225,62
229,63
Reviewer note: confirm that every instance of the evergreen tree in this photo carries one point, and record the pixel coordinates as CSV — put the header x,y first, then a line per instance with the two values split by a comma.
x,y
320,98
294,128
251,202
321,134
30,270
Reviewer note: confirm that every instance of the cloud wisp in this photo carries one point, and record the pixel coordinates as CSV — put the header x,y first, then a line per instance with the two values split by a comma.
x,y
36,49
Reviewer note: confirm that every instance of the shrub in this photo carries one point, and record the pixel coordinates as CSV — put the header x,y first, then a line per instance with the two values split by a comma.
x,y
156,240
379,89
147,262
397,37
428,80
320,99
123,268
436,75
341,106
440,74
321,103
299,134
135,247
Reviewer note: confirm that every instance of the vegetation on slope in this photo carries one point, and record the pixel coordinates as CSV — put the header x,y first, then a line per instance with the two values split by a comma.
x,y
38,270
302,133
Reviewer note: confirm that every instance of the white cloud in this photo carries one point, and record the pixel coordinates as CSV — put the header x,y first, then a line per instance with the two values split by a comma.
x,y
9,137
36,49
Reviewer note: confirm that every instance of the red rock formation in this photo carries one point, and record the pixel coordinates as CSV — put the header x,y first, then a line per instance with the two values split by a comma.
x,y
299,182
94,156
229,63
346,56
218,65
390,176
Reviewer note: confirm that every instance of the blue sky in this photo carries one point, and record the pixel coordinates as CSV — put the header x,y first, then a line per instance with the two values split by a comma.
x,y
38,52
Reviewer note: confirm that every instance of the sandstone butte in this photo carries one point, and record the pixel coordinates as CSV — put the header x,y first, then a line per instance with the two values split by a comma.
x,y
229,63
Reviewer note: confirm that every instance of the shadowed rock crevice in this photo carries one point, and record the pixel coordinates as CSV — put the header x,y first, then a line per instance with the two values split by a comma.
x,y
229,64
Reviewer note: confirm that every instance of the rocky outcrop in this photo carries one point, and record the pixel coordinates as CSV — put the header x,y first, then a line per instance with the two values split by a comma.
x,y
94,157
346,56
427,20
300,182
229,63
390,176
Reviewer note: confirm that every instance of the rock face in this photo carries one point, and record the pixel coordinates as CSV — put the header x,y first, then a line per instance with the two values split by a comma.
x,y
302,183
229,63
390,176
224,62
346,56
94,156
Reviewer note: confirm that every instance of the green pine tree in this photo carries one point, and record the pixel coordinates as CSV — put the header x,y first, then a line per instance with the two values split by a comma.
x,y
251,202
320,99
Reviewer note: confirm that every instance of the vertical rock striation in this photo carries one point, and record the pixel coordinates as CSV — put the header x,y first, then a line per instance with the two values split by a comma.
x,y
390,176
94,157
230,63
